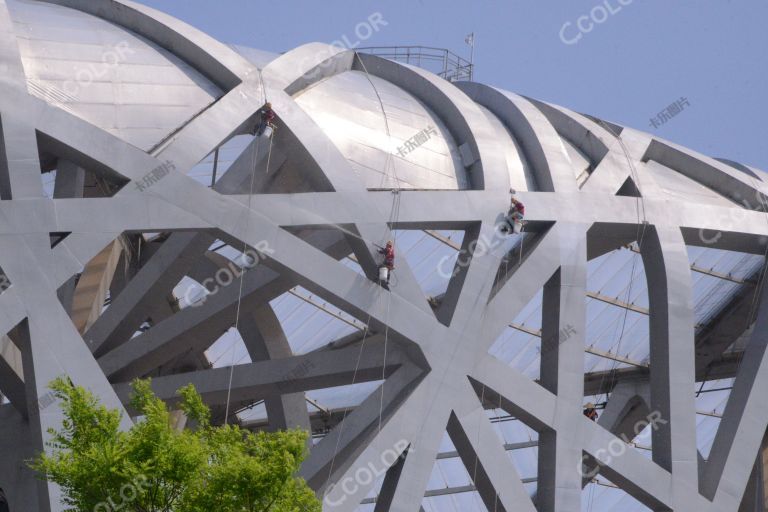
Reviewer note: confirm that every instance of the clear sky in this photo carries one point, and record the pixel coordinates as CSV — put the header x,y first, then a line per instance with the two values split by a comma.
x,y
643,57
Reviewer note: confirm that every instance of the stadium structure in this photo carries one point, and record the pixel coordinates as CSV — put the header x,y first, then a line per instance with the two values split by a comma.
x,y
144,231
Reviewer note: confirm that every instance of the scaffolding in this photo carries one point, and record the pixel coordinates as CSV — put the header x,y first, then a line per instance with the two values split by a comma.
x,y
440,61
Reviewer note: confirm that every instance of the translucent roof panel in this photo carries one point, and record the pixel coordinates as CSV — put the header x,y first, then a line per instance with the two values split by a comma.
x,y
711,399
228,153
309,322
605,496
465,501
617,307
431,260
726,272
450,474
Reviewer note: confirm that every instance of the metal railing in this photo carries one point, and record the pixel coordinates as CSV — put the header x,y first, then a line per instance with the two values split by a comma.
x,y
440,61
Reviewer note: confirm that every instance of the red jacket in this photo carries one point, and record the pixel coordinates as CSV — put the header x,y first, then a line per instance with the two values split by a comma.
x,y
267,115
389,256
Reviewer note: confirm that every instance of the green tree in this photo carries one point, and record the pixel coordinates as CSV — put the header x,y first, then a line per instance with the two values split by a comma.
x,y
154,467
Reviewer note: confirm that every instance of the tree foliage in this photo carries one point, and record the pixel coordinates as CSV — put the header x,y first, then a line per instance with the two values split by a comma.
x,y
154,467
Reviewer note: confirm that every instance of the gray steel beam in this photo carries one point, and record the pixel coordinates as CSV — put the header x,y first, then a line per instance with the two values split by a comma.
x,y
19,164
414,404
486,461
337,170
70,180
639,477
171,262
723,179
198,327
743,426
274,377
563,310
355,426
265,340
388,486
671,325
18,445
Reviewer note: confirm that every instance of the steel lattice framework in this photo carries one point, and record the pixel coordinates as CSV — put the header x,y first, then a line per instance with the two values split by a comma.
x,y
438,372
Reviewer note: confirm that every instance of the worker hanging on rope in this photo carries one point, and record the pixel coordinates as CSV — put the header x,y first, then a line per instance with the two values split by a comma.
x,y
513,221
265,125
388,265
590,411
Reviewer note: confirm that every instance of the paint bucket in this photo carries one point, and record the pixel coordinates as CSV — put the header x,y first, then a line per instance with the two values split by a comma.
x,y
383,274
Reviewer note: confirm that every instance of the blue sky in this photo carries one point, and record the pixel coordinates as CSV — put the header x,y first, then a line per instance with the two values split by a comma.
x,y
642,58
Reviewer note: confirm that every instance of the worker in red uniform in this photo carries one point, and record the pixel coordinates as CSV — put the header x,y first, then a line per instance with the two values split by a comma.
x,y
267,115
590,411
389,259
515,214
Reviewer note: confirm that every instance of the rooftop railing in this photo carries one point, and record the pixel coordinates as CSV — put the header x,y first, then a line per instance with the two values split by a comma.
x,y
440,61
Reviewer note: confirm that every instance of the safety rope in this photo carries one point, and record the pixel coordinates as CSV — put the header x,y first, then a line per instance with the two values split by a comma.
x,y
242,279
641,228
386,127
392,218
351,392
245,247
